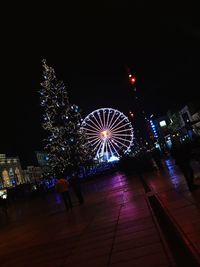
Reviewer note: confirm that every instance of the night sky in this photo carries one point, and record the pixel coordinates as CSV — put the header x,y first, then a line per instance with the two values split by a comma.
x,y
90,46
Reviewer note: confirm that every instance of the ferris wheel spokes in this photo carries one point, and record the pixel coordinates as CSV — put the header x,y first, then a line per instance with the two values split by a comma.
x,y
100,120
112,145
121,139
94,125
123,130
107,151
104,124
120,143
107,119
100,127
111,119
110,148
128,123
97,143
110,126
98,150
120,122
92,138
108,131
115,134
92,134
88,131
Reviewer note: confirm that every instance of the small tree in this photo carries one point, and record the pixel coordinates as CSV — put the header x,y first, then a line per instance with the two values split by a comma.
x,y
66,143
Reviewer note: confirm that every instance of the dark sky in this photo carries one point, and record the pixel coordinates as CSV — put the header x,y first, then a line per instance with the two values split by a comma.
x,y
89,47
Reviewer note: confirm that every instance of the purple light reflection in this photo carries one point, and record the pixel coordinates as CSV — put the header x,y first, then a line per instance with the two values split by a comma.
x,y
175,175
58,199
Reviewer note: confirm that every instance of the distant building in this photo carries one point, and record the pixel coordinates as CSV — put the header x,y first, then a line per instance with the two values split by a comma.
x,y
162,130
42,158
191,117
10,171
183,123
176,121
189,122
196,122
32,174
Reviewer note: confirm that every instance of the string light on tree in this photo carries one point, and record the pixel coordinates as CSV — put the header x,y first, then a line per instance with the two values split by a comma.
x,y
66,142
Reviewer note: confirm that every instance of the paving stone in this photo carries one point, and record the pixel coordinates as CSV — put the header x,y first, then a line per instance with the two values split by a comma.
x,y
137,242
154,260
135,253
135,228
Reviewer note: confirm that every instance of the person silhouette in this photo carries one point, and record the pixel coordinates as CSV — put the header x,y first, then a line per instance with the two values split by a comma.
x,y
76,185
62,186
182,155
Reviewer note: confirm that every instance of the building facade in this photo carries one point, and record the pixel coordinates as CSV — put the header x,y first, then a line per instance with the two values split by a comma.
x,y
42,159
10,171
196,122
183,124
32,174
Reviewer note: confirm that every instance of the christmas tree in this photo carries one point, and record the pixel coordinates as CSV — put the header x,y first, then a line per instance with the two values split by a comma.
x,y
66,142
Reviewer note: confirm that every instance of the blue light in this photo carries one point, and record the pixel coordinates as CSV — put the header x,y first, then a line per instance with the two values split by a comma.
x,y
153,127
113,158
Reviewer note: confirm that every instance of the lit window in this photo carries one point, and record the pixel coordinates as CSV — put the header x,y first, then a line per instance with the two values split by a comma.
x,y
163,123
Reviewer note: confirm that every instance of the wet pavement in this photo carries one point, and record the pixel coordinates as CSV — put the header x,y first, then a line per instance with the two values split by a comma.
x,y
183,206
115,227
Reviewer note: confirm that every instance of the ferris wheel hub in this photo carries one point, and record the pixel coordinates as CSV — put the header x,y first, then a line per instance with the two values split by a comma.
x,y
105,134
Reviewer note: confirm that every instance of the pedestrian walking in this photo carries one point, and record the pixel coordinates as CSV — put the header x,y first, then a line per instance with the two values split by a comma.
x,y
62,186
182,155
75,183
156,155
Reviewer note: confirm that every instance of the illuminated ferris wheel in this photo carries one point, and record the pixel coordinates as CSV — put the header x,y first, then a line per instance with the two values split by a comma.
x,y
109,132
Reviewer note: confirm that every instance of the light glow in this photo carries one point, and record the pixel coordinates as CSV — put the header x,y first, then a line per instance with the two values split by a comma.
x,y
105,134
163,123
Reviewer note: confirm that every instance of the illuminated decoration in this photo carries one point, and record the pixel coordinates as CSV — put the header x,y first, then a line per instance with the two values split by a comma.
x,y
105,134
12,176
109,132
3,193
66,143
6,178
132,78
153,127
131,114
113,158
162,123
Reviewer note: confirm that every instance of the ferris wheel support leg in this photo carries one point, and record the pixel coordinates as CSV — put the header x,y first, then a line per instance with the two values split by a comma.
x,y
102,151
